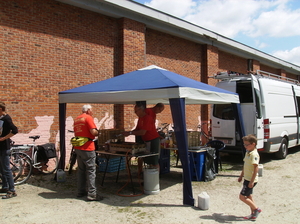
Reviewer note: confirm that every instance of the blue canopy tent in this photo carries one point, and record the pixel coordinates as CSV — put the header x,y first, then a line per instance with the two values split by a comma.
x,y
152,85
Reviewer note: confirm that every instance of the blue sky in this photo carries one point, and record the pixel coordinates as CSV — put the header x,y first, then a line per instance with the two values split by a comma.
x,y
271,26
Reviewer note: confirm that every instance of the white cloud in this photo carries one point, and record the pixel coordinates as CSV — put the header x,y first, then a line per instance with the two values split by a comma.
x,y
264,20
225,17
281,22
292,56
230,17
260,45
178,8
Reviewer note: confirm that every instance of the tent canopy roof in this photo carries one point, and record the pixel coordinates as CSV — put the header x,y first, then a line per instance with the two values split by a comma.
x,y
151,84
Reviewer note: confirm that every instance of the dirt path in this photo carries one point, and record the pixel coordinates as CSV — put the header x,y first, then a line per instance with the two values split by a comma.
x,y
43,200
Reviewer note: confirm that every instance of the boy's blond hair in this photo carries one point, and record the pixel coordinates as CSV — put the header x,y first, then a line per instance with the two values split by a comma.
x,y
250,138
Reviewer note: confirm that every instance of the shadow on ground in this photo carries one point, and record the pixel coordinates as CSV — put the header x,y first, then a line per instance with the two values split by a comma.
x,y
131,192
223,218
122,188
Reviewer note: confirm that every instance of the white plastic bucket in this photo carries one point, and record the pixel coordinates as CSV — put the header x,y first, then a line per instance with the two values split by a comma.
x,y
60,175
151,181
203,201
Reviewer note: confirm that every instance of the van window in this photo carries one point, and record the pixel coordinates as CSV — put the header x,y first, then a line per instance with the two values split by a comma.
x,y
244,89
223,111
298,103
258,104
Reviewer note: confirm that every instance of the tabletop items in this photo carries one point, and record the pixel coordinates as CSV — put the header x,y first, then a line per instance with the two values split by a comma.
x,y
113,141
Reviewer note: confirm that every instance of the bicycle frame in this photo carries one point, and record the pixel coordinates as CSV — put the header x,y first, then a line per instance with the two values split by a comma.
x,y
26,157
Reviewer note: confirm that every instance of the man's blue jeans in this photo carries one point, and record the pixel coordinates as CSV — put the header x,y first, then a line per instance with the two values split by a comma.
x,y
7,177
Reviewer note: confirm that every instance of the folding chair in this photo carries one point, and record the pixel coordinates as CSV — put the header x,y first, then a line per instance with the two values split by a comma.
x,y
218,146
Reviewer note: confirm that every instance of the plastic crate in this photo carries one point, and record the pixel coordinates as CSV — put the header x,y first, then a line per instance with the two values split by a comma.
x,y
193,138
164,154
197,165
113,164
110,134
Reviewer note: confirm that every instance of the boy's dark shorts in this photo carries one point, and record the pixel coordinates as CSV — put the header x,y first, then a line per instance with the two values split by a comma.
x,y
246,191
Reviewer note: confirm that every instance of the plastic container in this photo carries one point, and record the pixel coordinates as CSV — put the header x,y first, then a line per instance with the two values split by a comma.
x,y
197,165
114,164
60,175
151,181
260,170
203,201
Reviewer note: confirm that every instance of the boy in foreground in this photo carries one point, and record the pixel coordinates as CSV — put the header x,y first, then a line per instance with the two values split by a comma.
x,y
250,174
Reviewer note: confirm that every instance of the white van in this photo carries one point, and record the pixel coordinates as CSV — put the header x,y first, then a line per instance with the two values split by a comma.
x,y
270,106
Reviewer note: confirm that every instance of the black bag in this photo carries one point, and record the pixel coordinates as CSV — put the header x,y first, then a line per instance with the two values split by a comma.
x,y
46,151
210,172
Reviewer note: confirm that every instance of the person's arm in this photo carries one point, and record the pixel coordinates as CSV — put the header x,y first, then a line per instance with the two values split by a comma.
x,y
91,125
254,174
241,176
9,135
94,131
13,129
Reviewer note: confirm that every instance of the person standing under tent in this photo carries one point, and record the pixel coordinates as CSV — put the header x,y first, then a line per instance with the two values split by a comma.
x,y
147,130
158,108
84,126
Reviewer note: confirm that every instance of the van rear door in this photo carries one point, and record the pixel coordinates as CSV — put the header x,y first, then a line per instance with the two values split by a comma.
x,y
259,124
222,119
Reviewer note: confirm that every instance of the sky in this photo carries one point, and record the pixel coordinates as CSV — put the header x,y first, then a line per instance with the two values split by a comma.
x,y
271,26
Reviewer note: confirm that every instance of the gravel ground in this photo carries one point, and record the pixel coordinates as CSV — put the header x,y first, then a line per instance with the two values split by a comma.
x,y
43,200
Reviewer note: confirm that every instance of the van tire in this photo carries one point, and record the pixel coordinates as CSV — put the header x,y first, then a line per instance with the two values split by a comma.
x,y
283,150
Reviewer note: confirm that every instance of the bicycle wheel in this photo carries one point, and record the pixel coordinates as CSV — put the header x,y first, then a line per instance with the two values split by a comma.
x,y
48,166
72,161
21,167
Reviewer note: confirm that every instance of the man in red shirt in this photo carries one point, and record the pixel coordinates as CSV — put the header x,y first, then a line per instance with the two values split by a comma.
x,y
158,108
84,126
147,130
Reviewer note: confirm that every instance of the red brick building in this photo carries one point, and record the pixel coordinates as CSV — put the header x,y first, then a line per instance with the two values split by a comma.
x,y
49,46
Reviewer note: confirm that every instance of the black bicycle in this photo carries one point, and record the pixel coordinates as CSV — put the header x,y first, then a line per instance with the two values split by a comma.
x,y
72,159
21,167
24,158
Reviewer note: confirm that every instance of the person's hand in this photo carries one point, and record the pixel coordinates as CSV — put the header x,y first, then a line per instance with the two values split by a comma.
x,y
240,179
251,184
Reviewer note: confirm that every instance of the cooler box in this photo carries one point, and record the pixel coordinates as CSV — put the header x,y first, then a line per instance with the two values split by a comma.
x,y
113,164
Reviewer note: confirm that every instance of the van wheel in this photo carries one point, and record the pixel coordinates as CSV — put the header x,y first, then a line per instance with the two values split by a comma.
x,y
283,150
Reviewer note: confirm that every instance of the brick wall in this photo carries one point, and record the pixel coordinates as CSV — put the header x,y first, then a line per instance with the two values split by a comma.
x,y
179,56
232,62
48,47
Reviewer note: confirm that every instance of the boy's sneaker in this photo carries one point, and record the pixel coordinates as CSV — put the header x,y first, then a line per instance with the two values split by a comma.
x,y
248,217
256,213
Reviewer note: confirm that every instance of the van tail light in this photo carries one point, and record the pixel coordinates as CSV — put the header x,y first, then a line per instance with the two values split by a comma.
x,y
266,128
